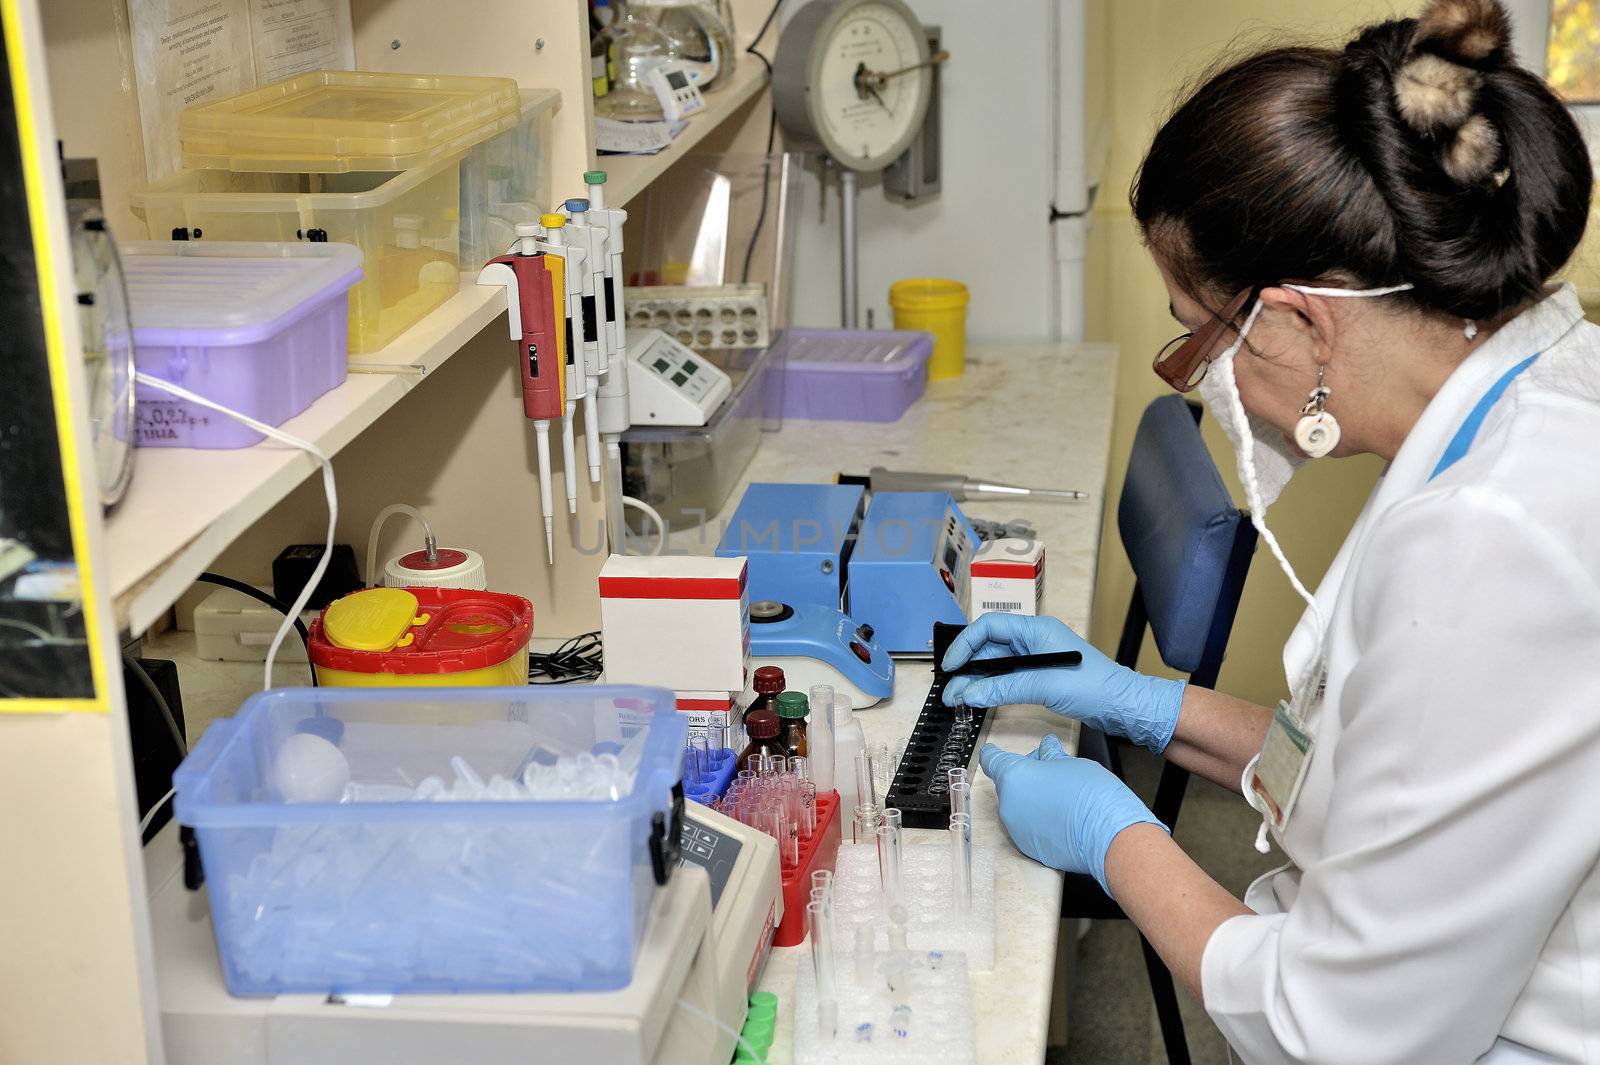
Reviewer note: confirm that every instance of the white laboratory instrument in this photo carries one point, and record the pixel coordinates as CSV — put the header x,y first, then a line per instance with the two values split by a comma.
x,y
674,86
571,276
852,80
670,385
706,948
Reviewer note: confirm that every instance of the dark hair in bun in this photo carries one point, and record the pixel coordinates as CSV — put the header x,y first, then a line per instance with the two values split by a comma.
x,y
1421,153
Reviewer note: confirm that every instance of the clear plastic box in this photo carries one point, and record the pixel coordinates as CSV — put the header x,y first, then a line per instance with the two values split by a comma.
x,y
259,328
506,180
687,474
854,375
336,121
407,226
420,896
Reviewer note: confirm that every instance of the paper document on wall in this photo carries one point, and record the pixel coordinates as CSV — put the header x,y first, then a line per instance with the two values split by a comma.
x,y
294,36
187,52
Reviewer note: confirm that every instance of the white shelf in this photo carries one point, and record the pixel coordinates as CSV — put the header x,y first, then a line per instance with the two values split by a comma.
x,y
184,506
628,175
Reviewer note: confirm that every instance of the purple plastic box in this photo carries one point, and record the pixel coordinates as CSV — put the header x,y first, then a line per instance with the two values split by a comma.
x,y
846,375
258,327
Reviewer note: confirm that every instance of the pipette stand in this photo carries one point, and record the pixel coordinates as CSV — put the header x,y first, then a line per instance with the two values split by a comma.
x,y
938,1029
930,900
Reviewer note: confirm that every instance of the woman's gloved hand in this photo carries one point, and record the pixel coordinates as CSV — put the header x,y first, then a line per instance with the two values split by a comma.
x,y
1098,692
1060,810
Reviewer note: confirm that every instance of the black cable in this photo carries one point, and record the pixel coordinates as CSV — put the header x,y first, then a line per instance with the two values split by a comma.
x,y
772,131
577,660
270,600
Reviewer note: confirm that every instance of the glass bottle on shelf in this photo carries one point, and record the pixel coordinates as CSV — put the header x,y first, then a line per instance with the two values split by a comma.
x,y
701,32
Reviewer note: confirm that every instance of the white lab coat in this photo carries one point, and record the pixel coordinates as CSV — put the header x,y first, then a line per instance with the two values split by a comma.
x,y
1443,901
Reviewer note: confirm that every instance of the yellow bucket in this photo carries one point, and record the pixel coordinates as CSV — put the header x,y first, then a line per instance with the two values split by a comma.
x,y
933,305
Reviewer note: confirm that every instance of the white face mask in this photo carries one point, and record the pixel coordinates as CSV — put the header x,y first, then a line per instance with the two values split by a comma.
x,y
1265,459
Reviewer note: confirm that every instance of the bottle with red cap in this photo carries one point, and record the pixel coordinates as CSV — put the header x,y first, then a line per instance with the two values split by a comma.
x,y
769,683
763,727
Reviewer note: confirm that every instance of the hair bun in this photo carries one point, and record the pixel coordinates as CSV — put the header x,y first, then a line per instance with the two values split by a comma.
x,y
1437,85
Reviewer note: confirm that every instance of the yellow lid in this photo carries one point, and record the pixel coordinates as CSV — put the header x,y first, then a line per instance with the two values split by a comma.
x,y
552,220
376,619
337,121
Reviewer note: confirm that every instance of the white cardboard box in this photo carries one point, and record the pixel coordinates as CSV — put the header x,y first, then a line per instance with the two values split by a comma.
x,y
1008,577
230,626
676,621
715,715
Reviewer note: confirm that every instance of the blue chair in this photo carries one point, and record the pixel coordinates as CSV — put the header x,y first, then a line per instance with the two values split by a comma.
x,y
1190,550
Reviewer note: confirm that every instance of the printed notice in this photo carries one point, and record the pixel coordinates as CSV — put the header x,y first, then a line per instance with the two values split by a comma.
x,y
294,36
187,52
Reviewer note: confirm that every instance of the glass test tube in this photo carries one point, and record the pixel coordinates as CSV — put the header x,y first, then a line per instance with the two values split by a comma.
x,y
957,775
961,863
864,829
823,964
889,872
788,840
700,755
822,878
800,766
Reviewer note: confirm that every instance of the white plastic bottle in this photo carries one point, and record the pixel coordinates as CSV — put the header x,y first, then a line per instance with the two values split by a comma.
x,y
819,736
847,741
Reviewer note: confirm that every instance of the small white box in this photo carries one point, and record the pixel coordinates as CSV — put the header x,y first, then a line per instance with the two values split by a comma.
x,y
230,626
714,715
676,621
1008,577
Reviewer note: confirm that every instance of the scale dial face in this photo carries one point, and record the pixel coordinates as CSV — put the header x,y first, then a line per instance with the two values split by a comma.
x,y
107,350
861,118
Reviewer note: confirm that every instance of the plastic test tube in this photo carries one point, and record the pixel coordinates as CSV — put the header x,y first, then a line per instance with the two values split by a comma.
x,y
865,827
822,961
961,863
866,789
800,767
820,733
961,798
866,946
889,870
808,809
700,756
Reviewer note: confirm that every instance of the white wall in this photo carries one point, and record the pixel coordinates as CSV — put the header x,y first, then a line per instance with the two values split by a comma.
x,y
989,226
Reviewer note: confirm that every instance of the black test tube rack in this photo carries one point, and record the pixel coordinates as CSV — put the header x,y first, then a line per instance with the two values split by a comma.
x,y
920,790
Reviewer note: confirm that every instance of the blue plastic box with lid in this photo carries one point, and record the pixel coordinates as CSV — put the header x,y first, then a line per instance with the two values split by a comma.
x,y
518,894
797,538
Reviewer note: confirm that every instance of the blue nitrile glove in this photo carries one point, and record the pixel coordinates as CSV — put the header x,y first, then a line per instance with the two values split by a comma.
x,y
1098,692
1060,810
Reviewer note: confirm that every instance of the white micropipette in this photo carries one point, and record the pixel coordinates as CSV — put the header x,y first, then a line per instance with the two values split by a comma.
x,y
614,417
570,284
596,334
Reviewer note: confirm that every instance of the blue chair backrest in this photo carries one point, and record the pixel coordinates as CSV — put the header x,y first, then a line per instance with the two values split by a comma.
x,y
1183,536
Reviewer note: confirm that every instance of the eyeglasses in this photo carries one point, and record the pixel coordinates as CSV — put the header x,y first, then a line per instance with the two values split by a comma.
x,y
1185,359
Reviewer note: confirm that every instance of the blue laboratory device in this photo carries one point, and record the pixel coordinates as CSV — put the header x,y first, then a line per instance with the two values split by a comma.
x,y
911,567
820,645
797,538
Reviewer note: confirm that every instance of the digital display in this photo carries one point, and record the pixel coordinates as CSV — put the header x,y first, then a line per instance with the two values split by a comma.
x,y
676,79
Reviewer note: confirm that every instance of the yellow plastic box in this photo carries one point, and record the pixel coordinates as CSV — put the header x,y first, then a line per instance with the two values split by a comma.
x,y
340,121
407,226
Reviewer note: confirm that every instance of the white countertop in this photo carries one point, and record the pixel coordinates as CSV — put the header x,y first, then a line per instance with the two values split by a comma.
x,y
1037,415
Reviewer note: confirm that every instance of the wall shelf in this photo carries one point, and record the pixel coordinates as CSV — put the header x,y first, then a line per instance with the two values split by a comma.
x,y
628,175
184,506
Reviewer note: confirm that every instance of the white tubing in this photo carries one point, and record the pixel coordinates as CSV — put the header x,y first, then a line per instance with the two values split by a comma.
x,y
315,452
374,575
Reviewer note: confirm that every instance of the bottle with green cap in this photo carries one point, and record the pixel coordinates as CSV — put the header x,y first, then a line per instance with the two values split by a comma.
x,y
792,709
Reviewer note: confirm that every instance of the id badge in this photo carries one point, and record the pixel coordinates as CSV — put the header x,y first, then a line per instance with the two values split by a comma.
x,y
1281,768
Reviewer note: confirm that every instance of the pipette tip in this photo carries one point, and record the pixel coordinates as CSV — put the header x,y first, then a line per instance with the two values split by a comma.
x,y
550,540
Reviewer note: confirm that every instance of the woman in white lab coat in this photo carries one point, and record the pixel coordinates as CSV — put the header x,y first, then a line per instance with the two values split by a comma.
x,y
1361,243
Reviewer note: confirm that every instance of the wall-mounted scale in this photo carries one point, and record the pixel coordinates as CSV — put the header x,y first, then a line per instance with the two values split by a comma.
x,y
852,80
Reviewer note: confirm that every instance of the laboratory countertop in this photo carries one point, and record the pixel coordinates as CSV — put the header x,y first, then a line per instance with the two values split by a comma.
x,y
1036,415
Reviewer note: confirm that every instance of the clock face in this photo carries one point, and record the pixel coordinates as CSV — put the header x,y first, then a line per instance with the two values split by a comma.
x,y
863,118
107,351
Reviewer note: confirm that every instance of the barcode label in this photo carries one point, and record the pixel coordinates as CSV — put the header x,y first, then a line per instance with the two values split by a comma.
x,y
1007,607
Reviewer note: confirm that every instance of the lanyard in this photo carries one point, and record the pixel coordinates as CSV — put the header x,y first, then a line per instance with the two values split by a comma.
x,y
1461,443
